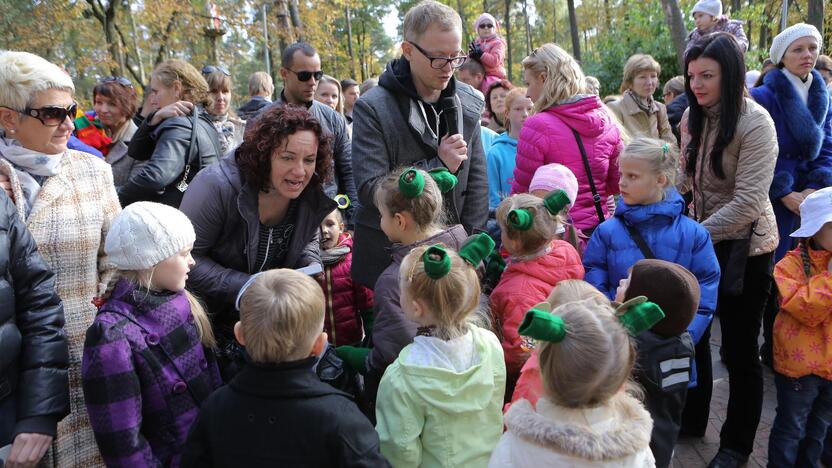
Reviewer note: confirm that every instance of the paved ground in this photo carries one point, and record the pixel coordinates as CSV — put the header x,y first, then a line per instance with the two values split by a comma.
x,y
696,453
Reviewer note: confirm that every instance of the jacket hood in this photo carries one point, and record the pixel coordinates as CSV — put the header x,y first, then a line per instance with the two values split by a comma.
x,y
504,139
587,115
617,430
457,392
398,80
453,237
548,268
664,211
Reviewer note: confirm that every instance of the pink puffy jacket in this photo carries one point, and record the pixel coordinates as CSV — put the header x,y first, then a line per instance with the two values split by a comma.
x,y
546,138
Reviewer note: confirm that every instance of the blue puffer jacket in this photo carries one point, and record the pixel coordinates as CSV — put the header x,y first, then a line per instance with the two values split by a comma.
x,y
671,236
804,136
500,161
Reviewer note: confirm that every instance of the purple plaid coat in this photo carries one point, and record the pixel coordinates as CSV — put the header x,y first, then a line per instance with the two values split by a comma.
x,y
145,374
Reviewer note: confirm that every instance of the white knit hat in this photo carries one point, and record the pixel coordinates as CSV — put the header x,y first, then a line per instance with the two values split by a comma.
x,y
146,233
794,32
709,7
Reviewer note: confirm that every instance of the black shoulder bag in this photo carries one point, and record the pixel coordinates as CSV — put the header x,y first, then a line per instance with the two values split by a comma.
x,y
596,199
642,245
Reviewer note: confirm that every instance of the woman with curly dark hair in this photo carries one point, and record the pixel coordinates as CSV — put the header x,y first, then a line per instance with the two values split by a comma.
x,y
258,209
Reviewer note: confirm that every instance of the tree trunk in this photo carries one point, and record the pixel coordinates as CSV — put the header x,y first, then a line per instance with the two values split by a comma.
x,y
347,15
555,21
284,28
573,27
297,24
162,52
815,15
136,51
507,22
461,11
678,32
735,6
528,28
607,14
106,16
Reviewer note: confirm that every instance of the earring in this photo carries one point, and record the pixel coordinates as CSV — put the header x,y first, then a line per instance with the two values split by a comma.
x,y
12,131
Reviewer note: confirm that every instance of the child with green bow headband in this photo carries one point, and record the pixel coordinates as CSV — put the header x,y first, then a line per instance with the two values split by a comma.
x,y
538,262
440,402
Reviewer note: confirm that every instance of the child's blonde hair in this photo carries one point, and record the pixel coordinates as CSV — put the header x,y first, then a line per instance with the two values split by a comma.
x,y
281,315
426,208
662,157
593,362
544,225
144,280
511,96
564,77
451,298
571,290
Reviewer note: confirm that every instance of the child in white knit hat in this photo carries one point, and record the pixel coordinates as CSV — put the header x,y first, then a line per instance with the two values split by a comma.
x,y
147,364
708,17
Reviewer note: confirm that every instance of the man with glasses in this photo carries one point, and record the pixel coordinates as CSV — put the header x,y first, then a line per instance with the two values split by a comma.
x,y
300,71
419,115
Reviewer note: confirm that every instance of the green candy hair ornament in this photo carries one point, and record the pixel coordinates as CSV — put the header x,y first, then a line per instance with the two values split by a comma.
x,y
520,219
444,179
638,314
476,248
411,183
556,201
437,262
540,324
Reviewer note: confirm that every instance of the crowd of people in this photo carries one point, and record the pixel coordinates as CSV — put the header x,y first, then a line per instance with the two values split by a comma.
x,y
435,268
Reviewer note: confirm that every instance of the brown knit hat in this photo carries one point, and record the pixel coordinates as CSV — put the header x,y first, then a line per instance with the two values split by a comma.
x,y
672,287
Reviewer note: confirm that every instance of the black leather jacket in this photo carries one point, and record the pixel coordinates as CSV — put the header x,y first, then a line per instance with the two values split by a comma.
x,y
33,348
165,147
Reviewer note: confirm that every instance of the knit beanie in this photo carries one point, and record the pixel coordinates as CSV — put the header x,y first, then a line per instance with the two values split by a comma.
x,y
146,233
794,32
672,287
487,17
553,177
709,7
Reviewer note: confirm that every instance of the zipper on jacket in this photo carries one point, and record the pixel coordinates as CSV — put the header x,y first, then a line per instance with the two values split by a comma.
x,y
329,305
268,247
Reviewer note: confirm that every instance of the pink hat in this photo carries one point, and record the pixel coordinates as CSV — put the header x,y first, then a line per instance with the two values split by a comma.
x,y
555,176
487,17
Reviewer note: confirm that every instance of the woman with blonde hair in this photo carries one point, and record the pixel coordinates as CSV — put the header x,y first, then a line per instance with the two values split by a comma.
x,y
570,128
229,127
177,140
329,92
67,200
638,112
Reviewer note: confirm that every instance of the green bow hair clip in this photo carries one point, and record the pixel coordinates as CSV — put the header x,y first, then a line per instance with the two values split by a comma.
x,y
638,314
444,179
437,262
556,201
520,219
540,324
476,248
411,183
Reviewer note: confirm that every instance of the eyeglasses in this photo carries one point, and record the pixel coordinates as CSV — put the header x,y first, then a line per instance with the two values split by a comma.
x,y
486,26
208,69
455,62
305,75
50,116
118,79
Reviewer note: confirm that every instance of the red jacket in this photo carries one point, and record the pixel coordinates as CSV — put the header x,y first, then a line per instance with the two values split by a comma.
x,y
344,299
524,284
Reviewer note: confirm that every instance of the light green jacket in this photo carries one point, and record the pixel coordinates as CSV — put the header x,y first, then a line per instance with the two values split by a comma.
x,y
434,416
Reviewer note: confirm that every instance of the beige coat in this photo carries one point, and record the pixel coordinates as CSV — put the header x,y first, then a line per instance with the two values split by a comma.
x,y
637,123
69,221
123,165
727,207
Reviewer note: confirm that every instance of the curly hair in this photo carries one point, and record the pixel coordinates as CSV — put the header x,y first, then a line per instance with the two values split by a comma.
x,y
268,132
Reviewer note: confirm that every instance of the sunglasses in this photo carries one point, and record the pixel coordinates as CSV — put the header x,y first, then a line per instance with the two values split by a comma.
x,y
50,116
305,75
208,69
486,26
118,79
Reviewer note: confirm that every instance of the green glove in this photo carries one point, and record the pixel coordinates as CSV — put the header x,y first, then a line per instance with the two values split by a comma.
x,y
494,269
354,357
368,318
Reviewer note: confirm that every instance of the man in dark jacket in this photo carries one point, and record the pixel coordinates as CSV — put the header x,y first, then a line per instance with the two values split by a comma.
x,y
300,71
419,115
34,384
260,88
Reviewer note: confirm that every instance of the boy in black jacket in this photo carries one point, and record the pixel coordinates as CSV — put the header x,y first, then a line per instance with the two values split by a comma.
x,y
276,411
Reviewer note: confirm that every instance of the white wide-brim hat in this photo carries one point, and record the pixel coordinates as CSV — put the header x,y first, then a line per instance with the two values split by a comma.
x,y
815,211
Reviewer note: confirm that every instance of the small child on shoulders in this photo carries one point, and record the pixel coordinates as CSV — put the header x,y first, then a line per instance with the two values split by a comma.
x,y
276,411
489,49
707,14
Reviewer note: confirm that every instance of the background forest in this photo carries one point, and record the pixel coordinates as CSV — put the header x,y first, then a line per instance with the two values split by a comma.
x,y
97,38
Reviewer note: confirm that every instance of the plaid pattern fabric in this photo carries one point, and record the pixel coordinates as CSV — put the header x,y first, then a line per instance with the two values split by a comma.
x,y
69,221
145,374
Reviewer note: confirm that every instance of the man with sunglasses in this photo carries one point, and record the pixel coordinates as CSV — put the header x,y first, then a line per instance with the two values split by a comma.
x,y
419,115
300,70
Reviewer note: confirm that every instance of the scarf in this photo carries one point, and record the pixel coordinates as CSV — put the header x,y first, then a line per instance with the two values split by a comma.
x,y
334,255
226,131
91,131
801,87
32,167
644,104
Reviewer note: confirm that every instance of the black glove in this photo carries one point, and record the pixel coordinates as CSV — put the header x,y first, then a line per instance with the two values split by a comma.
x,y
474,51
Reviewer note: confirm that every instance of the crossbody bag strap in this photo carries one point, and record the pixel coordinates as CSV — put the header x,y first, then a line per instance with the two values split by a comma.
x,y
596,199
642,245
183,184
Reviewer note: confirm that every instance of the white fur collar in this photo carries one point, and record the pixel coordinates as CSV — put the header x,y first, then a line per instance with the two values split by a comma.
x,y
617,430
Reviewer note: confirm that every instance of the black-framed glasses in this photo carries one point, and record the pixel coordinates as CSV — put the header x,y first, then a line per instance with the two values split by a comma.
x,y
50,116
486,26
306,75
208,69
455,62
118,79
